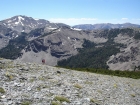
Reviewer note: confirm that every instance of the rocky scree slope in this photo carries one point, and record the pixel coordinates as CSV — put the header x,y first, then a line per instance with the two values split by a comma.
x,y
55,45
36,84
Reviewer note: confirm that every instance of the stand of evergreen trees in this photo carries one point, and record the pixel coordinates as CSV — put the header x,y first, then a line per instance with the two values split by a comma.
x,y
13,49
93,59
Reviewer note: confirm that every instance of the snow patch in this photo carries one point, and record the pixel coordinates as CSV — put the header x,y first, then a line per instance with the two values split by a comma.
x,y
59,30
74,46
77,29
9,21
68,37
51,22
19,20
16,36
22,24
52,28
16,22
36,19
4,24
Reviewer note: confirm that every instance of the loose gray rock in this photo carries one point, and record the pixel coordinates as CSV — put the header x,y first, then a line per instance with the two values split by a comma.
x,y
42,85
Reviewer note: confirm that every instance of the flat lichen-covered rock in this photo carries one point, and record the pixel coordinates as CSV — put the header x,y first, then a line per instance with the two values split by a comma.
x,y
36,84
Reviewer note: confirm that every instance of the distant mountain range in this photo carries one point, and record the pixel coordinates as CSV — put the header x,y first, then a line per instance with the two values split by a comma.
x,y
105,26
109,46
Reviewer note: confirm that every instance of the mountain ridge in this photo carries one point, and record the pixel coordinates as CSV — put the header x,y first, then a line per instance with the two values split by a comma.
x,y
57,41
23,23
105,26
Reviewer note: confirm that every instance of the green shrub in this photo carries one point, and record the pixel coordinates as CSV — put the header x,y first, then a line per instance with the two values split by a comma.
x,y
55,103
62,99
95,101
9,76
25,103
133,95
2,90
78,86
128,74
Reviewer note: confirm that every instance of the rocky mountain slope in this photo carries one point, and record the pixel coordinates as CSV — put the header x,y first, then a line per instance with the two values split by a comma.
x,y
12,27
129,57
61,43
121,51
56,44
105,26
5,35
31,40
36,84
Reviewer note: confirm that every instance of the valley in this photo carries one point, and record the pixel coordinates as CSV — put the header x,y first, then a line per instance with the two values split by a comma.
x,y
30,40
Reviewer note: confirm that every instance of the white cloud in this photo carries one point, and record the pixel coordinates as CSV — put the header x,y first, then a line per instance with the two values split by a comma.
x,y
114,19
136,19
74,21
124,18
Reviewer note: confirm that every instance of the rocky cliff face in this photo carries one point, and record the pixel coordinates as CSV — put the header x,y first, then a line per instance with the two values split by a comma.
x,y
36,84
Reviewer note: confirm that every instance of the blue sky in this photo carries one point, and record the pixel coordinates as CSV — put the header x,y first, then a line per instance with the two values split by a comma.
x,y
74,12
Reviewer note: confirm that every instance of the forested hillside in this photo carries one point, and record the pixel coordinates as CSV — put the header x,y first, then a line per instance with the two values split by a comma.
x,y
13,49
96,55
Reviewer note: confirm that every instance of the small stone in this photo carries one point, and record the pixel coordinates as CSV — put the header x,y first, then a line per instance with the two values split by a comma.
x,y
87,99
10,103
25,69
58,72
4,100
3,96
76,103
29,88
64,103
